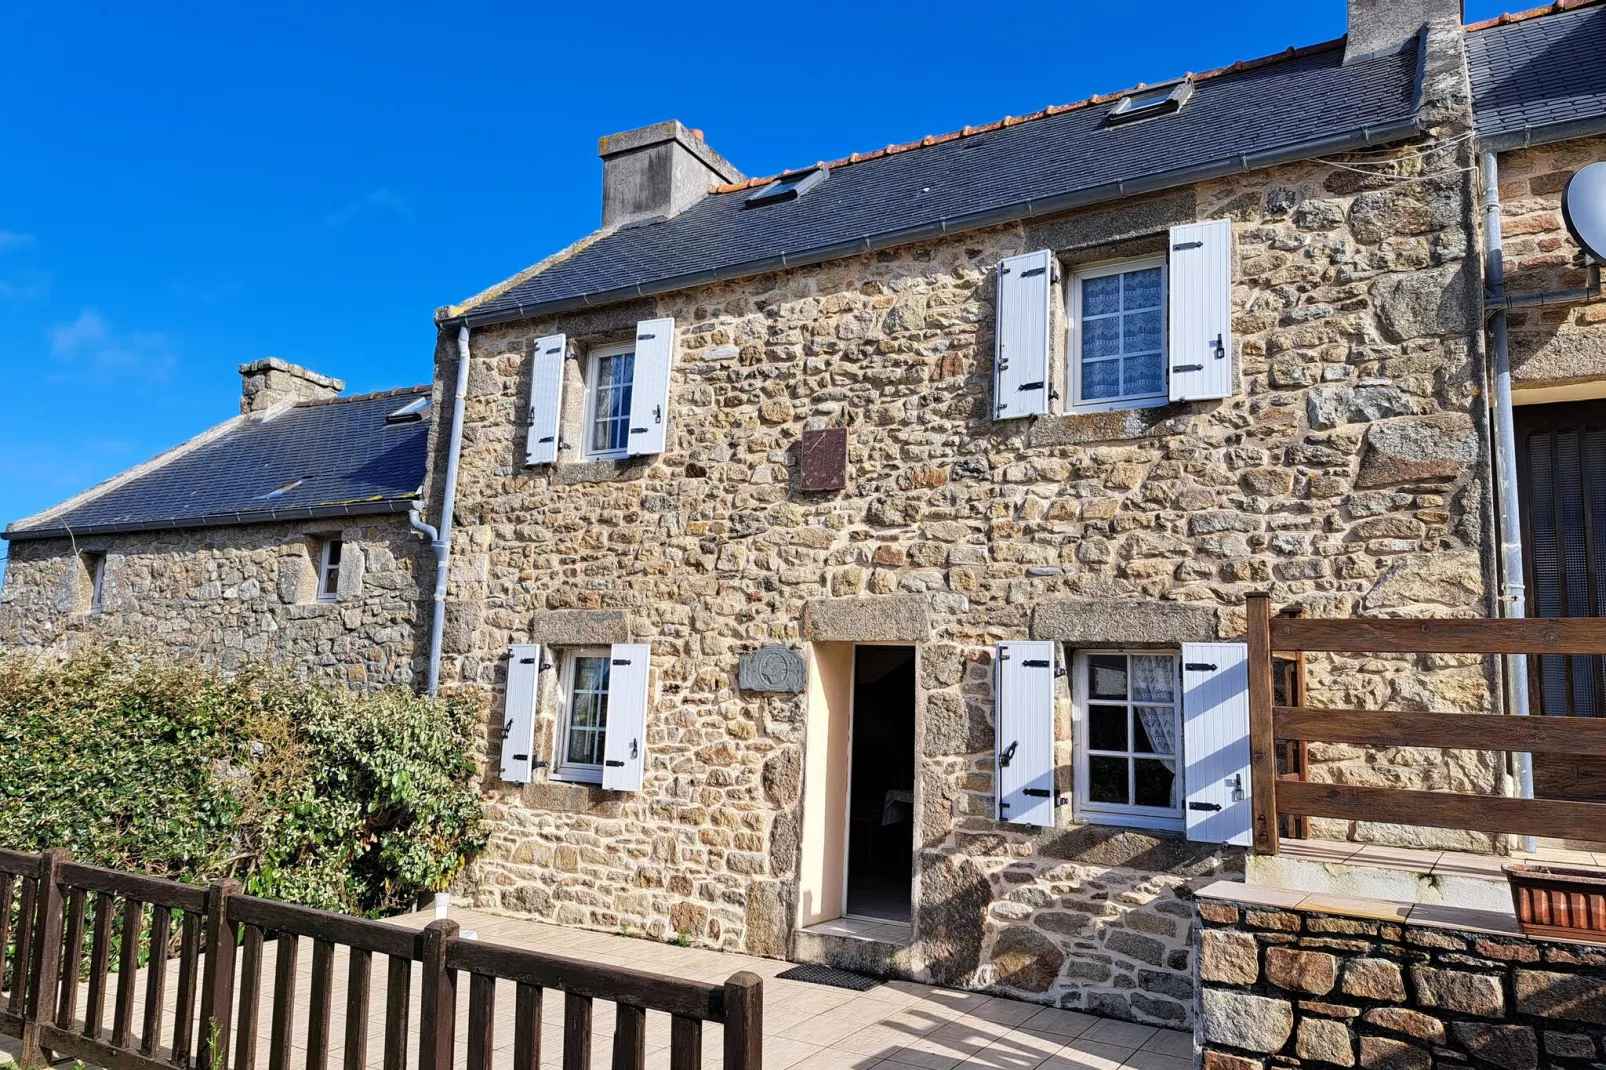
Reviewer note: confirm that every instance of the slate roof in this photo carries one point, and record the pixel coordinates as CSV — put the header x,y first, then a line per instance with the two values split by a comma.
x,y
1248,115
1541,77
349,460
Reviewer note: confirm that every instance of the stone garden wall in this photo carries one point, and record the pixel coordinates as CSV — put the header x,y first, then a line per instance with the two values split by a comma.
x,y
1290,989
226,596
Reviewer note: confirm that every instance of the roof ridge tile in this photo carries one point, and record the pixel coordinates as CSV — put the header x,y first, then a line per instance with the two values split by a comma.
x,y
310,403
1557,8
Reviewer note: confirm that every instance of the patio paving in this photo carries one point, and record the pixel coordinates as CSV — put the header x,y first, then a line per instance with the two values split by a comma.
x,y
896,1026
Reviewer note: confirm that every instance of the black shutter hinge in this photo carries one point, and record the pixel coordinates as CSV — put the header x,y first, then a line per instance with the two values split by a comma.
x,y
1031,386
1199,666
614,764
621,661
526,661
1036,793
1028,273
645,337
1187,245
1187,367
1204,806
546,438
1034,663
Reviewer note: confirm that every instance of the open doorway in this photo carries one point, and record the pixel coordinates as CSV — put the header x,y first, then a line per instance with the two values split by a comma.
x,y
881,792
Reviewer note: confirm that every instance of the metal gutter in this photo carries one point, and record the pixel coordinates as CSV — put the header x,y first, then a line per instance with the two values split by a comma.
x,y
1581,295
1361,137
1539,134
215,520
1513,595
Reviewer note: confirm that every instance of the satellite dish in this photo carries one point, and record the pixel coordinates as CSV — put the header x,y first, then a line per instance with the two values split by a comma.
x,y
1583,206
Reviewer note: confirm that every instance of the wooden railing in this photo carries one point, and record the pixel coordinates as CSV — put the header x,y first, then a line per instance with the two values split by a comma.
x,y
203,928
1270,725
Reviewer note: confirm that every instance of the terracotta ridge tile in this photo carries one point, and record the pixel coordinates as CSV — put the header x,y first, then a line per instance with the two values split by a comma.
x,y
1533,13
1053,109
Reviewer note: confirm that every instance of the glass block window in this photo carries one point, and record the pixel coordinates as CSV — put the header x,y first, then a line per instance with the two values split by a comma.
x,y
1118,325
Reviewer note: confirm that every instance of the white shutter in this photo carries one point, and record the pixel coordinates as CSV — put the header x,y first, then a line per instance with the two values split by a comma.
x,y
624,751
649,393
1020,364
1024,683
546,399
518,719
1215,741
1200,339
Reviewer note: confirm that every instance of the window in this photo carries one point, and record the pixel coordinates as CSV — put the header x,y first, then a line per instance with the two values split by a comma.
x,y
788,188
95,569
1147,103
1128,744
329,571
611,382
1118,343
583,714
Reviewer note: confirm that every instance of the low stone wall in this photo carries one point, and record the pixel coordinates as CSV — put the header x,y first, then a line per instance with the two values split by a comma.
x,y
1285,988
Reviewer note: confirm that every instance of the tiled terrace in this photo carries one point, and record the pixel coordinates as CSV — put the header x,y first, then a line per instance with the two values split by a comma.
x,y
895,1026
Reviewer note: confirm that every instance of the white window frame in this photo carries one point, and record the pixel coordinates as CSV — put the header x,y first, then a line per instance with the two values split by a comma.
x,y
594,358
324,594
97,583
1133,816
562,768
1073,344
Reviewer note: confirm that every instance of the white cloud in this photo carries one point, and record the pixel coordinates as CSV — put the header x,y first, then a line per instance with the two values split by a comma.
x,y
90,344
12,239
378,200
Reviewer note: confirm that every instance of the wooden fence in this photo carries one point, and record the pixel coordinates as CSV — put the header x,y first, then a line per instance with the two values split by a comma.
x,y
1270,725
65,910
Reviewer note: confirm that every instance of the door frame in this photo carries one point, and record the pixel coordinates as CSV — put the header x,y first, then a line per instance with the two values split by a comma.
x,y
914,753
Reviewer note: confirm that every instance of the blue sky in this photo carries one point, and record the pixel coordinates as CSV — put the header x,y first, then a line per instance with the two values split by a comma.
x,y
185,188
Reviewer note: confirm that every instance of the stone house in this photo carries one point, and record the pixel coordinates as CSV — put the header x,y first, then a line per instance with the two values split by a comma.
x,y
281,535
855,558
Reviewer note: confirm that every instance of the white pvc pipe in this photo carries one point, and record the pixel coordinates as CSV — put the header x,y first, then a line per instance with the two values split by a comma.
x,y
442,536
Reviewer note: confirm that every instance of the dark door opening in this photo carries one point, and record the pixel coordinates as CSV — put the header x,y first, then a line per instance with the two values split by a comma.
x,y
1561,487
881,799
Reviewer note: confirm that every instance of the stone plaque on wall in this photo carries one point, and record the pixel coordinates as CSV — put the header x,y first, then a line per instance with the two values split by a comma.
x,y
824,459
772,668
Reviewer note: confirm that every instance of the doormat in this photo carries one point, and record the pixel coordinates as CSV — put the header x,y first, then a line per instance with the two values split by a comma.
x,y
825,975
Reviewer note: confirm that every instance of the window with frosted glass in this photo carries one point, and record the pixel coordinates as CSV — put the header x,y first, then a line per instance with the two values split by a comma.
x,y
612,378
584,718
1132,732
1120,335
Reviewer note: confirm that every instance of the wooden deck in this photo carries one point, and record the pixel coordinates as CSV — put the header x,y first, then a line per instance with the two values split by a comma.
x,y
897,1026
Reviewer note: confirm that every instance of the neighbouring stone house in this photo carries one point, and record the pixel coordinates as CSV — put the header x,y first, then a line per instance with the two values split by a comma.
x,y
279,535
854,560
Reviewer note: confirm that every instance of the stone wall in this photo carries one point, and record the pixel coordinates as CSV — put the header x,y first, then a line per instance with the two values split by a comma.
x,y
1551,347
1346,476
1296,989
226,596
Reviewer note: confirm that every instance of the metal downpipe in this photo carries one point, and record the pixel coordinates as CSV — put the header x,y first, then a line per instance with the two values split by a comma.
x,y
441,538
1513,595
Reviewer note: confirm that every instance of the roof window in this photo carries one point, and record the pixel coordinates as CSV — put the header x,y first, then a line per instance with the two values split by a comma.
x,y
788,187
410,413
1147,103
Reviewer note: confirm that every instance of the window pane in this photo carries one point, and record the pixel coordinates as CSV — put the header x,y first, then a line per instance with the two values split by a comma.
x,y
584,748
1101,380
1101,296
1143,375
1106,728
1154,679
1106,676
335,546
583,710
1101,338
1155,728
1141,332
1142,289
1107,780
591,674
1155,783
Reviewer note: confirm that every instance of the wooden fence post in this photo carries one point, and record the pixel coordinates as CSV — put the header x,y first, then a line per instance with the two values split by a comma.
x,y
217,984
1262,745
44,971
437,1017
744,1022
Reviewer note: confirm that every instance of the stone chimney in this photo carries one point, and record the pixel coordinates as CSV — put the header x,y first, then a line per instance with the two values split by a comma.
x,y
1380,26
266,382
657,171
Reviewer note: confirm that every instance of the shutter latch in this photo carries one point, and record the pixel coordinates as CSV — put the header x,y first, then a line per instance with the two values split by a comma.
x,y
1221,347
1008,755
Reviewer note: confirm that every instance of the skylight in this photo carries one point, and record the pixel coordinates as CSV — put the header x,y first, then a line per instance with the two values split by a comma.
x,y
411,412
788,188
1147,103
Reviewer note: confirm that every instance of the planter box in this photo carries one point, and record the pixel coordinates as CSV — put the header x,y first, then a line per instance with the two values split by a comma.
x,y
1559,901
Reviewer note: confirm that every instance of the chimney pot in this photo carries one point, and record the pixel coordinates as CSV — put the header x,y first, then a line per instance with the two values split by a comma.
x,y
267,382
658,170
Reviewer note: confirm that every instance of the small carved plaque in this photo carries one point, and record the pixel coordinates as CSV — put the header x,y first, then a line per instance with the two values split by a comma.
x,y
825,459
772,668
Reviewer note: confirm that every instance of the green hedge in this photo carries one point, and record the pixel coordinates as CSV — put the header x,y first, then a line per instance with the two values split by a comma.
x,y
304,793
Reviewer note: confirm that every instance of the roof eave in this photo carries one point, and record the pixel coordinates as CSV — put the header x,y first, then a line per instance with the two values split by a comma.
x,y
218,520
1361,137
